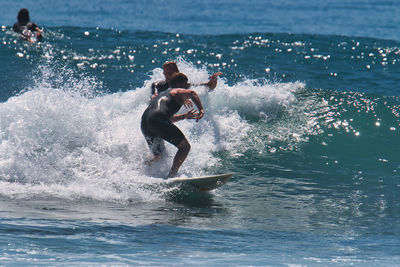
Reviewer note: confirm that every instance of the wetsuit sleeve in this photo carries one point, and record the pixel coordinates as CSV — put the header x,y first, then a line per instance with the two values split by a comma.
x,y
158,87
153,88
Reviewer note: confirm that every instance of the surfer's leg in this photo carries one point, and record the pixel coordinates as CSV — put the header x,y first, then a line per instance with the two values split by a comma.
x,y
170,133
180,156
157,148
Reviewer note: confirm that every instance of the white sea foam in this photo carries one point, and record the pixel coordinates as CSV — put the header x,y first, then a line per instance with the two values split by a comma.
x,y
60,140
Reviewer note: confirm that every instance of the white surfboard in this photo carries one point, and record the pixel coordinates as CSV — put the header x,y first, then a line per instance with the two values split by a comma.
x,y
204,183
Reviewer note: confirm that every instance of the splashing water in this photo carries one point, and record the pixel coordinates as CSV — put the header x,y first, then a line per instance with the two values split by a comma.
x,y
63,139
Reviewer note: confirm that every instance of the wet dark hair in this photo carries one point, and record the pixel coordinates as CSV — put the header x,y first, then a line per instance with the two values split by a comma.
x,y
23,16
178,78
171,65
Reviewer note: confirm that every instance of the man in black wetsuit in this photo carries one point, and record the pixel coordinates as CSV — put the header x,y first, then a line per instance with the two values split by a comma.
x,y
158,121
25,27
169,69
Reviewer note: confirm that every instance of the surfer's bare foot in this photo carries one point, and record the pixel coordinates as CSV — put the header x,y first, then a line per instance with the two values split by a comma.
x,y
171,175
151,161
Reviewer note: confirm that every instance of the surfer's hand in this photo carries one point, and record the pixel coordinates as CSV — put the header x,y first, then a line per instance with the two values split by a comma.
x,y
188,104
39,32
213,80
191,114
200,114
154,96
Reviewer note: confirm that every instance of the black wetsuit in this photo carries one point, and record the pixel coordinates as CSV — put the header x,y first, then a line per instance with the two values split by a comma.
x,y
156,122
26,29
159,87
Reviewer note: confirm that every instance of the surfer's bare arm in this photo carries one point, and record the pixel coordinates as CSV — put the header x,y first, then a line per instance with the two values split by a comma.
x,y
28,38
188,104
212,83
191,114
195,98
181,95
39,32
35,28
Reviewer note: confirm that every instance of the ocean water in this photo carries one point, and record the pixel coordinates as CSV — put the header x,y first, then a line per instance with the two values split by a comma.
x,y
306,114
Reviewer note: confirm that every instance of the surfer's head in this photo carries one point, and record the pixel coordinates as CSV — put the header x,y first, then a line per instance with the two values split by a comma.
x,y
23,16
169,69
179,80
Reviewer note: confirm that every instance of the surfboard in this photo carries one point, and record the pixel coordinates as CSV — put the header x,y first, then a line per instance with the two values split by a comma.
x,y
204,183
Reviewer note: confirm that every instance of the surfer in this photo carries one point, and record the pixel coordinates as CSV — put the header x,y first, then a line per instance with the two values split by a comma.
x,y
158,121
169,69
26,28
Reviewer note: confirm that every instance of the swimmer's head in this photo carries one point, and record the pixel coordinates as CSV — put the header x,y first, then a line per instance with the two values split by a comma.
x,y
179,80
23,16
169,69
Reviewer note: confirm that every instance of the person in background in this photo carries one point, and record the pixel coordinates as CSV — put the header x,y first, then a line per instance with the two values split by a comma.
x,y
157,123
169,69
26,28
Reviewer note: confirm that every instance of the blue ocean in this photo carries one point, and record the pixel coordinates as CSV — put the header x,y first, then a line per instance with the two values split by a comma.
x,y
306,115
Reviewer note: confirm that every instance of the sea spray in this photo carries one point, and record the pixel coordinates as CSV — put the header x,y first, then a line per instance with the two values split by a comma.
x,y
69,136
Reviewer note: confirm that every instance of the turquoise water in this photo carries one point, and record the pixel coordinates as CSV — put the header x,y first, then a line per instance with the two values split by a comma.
x,y
306,114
